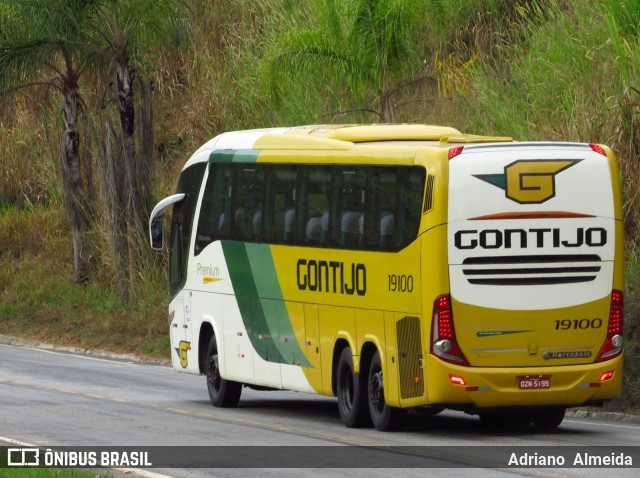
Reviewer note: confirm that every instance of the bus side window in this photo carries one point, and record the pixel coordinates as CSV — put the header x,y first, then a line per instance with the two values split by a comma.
x,y
255,204
215,212
410,190
247,202
280,205
351,196
314,187
380,209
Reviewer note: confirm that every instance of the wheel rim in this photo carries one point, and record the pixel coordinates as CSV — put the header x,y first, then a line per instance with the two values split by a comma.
x,y
376,390
214,378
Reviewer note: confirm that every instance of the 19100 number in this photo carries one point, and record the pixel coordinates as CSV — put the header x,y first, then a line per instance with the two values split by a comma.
x,y
400,283
578,324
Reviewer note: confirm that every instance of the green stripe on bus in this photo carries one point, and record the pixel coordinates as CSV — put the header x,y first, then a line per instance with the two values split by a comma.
x,y
263,339
272,302
263,310
234,156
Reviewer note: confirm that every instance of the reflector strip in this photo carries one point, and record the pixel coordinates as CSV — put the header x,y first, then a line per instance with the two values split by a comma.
x,y
531,215
533,280
606,376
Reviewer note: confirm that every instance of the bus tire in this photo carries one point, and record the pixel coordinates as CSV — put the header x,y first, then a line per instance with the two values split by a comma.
x,y
351,390
383,416
223,393
549,419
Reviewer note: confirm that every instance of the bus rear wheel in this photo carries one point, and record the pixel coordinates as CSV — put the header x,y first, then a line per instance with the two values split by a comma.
x,y
352,393
223,393
384,417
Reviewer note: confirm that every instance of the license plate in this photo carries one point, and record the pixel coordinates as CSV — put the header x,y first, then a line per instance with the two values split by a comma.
x,y
533,383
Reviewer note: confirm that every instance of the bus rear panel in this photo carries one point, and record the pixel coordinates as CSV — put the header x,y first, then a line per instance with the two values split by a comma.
x,y
534,312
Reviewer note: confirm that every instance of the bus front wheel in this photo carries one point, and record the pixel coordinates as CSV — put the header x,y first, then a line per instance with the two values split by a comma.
x,y
352,393
384,417
223,393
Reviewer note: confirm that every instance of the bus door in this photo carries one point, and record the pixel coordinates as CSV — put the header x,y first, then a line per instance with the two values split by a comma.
x,y
181,321
180,310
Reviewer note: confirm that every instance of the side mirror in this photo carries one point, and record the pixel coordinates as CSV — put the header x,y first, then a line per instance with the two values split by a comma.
x,y
156,221
156,231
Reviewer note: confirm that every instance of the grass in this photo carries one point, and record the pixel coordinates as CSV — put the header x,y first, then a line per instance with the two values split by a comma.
x,y
16,472
46,473
27,171
39,299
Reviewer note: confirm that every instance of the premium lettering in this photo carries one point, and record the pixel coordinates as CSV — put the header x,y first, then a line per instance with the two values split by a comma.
x,y
207,270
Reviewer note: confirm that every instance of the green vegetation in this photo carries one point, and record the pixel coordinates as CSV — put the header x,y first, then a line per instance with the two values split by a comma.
x,y
45,473
531,69
361,46
16,472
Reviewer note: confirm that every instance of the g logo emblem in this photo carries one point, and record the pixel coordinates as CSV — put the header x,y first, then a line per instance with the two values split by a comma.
x,y
529,182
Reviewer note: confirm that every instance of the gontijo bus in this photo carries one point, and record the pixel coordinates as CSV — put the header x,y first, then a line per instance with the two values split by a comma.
x,y
399,266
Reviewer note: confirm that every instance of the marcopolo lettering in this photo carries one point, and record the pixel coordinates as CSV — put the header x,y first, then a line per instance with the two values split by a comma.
x,y
333,276
524,238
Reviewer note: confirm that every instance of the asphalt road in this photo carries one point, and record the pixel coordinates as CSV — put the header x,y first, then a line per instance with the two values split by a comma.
x,y
53,399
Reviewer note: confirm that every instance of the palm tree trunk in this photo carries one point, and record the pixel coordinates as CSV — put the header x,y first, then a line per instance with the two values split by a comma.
x,y
72,184
135,219
145,153
114,196
385,110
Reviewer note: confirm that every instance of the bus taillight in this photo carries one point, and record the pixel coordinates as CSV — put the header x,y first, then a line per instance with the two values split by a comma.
x,y
455,151
613,343
598,149
443,335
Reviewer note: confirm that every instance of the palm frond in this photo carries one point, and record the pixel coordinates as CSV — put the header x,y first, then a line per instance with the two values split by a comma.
x,y
20,60
304,54
38,35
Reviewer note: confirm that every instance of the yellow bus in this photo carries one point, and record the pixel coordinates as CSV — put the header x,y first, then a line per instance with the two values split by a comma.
x,y
399,266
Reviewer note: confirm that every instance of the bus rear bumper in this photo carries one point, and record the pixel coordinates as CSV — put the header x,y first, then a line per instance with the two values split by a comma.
x,y
491,387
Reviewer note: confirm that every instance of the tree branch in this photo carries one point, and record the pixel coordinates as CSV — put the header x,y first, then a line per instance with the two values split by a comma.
x,y
406,83
357,110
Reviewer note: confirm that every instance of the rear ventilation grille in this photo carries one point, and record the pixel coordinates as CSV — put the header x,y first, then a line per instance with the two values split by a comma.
x,y
410,357
428,198
531,270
